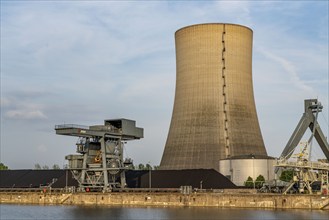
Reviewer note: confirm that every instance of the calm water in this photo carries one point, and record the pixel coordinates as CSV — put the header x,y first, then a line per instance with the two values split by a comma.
x,y
107,212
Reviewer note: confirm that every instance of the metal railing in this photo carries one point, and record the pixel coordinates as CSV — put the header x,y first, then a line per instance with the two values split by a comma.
x,y
303,164
67,126
41,190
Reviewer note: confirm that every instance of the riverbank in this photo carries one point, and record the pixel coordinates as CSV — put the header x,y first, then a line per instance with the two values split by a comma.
x,y
195,199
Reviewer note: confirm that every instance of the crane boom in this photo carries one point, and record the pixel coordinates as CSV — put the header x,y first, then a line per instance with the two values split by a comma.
x,y
308,120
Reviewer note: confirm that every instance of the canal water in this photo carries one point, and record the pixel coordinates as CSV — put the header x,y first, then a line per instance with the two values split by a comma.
x,y
125,213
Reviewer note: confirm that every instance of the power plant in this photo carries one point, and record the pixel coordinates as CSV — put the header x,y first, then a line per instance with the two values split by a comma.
x,y
214,140
214,115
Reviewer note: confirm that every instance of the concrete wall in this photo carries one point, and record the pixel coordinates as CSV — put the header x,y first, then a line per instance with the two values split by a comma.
x,y
220,199
240,169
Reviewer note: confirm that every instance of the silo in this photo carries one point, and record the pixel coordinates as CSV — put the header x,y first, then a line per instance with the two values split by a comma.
x,y
214,115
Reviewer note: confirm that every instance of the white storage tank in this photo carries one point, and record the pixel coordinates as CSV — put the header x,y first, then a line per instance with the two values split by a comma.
x,y
239,168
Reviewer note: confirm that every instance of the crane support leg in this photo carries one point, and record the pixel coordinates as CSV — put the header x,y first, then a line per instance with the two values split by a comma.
x,y
308,120
322,141
295,138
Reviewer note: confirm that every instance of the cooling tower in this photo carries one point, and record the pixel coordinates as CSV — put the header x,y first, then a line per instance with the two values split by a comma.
x,y
214,115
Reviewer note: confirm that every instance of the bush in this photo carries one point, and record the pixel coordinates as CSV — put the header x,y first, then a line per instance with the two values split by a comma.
x,y
249,182
287,175
260,180
3,167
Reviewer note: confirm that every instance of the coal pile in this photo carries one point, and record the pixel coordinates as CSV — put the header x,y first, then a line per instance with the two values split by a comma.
x,y
197,178
35,178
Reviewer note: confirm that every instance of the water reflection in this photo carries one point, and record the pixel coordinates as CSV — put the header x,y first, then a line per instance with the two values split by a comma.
x,y
148,213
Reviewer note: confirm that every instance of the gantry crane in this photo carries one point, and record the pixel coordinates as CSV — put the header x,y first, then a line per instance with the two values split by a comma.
x,y
305,171
100,164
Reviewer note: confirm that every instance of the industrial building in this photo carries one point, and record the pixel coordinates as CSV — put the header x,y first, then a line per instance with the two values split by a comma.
x,y
99,163
214,115
214,140
101,166
239,168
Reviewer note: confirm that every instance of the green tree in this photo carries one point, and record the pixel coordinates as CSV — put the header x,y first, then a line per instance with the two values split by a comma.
x,y
131,167
156,167
287,175
37,166
148,167
260,180
45,167
249,182
3,167
56,167
141,166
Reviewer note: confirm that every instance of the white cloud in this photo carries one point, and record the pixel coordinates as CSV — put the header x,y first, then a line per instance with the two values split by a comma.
x,y
25,114
23,104
235,11
82,62
4,102
289,68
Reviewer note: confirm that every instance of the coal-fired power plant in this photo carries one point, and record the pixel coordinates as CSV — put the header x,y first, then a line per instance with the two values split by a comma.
x,y
214,143
214,115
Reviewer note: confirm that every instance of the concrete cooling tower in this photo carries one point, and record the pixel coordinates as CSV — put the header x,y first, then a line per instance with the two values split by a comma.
x,y
214,115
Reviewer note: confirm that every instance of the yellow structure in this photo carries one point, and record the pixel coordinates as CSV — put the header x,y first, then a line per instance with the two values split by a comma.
x,y
214,115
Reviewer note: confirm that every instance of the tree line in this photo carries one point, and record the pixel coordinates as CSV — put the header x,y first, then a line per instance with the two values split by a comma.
x,y
285,176
37,166
140,166
144,167
3,167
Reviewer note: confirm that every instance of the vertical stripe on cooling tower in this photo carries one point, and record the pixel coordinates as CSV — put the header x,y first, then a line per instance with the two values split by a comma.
x,y
224,94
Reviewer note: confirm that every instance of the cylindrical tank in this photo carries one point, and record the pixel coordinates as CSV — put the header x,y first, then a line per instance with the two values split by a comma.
x,y
238,169
214,115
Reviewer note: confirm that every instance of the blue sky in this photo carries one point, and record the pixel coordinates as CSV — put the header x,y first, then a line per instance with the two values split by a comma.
x,y
82,62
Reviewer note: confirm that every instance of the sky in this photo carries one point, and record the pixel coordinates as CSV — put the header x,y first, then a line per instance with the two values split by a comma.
x,y
80,62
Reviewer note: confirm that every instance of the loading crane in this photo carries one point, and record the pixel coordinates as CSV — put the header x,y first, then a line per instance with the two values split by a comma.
x,y
306,171
100,164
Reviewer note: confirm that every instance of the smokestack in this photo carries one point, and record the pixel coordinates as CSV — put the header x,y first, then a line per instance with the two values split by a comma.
x,y
214,115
